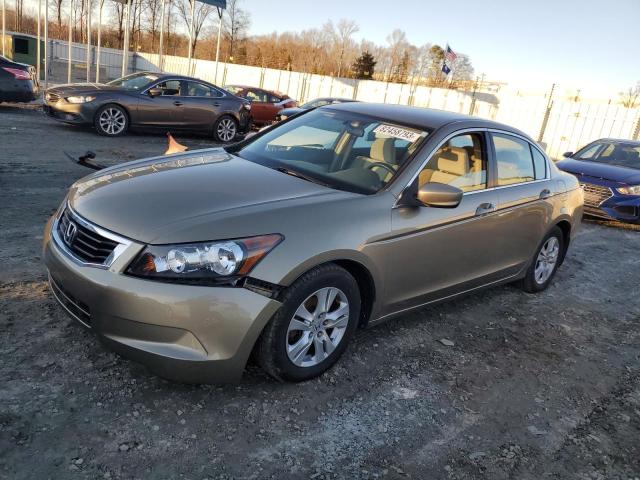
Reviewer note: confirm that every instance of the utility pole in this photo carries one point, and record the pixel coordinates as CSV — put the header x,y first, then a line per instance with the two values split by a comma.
x,y
547,113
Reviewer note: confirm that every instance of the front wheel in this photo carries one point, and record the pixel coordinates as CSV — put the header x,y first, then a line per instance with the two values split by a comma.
x,y
545,262
111,121
313,326
225,129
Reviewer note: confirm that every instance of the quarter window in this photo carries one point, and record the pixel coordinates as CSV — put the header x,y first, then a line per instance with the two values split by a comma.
x,y
461,162
539,164
513,156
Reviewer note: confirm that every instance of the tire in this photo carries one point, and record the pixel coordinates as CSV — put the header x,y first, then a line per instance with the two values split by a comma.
x,y
542,270
225,129
283,336
111,121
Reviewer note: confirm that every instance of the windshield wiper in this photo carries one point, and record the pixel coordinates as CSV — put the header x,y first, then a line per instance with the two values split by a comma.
x,y
297,174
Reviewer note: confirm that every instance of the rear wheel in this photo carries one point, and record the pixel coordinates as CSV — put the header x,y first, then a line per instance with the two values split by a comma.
x,y
111,121
313,326
225,129
545,262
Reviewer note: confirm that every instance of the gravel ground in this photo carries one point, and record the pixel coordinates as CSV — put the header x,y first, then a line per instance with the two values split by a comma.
x,y
533,386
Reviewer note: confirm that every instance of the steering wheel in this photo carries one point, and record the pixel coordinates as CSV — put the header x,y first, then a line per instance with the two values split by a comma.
x,y
386,166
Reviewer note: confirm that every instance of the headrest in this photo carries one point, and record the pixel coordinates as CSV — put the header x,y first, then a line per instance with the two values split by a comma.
x,y
383,150
454,160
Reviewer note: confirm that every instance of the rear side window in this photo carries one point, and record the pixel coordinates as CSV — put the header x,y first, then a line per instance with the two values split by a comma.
x,y
539,164
514,160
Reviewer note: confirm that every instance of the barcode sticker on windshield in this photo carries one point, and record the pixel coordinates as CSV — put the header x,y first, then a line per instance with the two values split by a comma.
x,y
397,132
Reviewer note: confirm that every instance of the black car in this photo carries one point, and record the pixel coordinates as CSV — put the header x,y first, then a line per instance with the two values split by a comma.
x,y
318,102
18,81
147,99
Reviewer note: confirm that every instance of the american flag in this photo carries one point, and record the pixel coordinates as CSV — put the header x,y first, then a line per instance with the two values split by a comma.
x,y
449,55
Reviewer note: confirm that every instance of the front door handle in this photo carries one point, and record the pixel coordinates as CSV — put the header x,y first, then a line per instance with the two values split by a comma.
x,y
485,208
177,103
216,104
546,193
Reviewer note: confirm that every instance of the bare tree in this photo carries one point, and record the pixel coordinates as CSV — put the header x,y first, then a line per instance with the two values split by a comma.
x,y
201,13
236,25
344,31
631,97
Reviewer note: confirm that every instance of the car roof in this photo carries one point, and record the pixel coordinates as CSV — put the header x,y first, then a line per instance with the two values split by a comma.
x,y
427,118
618,140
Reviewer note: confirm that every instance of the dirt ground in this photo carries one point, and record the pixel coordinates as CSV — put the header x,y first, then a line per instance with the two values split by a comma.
x,y
535,386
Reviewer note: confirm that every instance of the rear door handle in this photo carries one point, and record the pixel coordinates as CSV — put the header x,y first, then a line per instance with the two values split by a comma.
x,y
485,208
177,103
546,193
216,104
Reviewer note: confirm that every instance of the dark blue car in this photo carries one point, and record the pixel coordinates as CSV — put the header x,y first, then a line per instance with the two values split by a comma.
x,y
609,172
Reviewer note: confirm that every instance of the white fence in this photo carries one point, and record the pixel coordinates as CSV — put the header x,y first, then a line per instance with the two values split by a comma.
x,y
560,125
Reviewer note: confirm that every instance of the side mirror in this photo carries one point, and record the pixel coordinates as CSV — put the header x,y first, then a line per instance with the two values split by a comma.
x,y
439,195
567,154
155,92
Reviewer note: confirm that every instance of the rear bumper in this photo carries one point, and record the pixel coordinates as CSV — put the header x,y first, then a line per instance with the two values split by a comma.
x,y
189,334
19,91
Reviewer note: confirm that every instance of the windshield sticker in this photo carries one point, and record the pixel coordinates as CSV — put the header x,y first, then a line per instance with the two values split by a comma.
x,y
397,132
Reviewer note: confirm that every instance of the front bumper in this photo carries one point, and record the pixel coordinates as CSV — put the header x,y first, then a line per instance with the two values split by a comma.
x,y
612,206
76,113
190,334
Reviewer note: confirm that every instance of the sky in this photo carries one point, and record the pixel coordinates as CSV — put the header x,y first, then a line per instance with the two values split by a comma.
x,y
584,44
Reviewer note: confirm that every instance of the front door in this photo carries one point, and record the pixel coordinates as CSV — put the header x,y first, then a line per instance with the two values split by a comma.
x,y
437,252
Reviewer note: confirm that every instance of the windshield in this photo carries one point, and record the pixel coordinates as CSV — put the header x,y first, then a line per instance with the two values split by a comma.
x,y
137,81
619,154
342,150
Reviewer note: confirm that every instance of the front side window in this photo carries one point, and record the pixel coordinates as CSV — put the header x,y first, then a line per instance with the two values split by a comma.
x,y
274,99
169,88
514,160
257,96
341,150
461,162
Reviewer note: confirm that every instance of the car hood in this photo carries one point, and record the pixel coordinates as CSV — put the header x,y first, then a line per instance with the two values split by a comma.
x,y
77,88
162,199
614,173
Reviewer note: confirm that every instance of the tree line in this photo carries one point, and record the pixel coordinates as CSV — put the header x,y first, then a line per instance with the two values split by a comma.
x,y
328,50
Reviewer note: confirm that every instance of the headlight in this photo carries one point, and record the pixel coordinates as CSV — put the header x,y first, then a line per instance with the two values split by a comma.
x,y
80,99
630,190
206,262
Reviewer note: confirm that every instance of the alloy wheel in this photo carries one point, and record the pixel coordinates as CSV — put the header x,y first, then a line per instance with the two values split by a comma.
x,y
547,259
317,327
226,130
112,121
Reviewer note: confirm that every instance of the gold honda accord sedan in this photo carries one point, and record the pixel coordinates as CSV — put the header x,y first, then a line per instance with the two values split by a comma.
x,y
281,246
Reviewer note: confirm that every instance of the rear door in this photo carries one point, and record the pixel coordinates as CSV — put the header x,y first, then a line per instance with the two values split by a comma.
x,y
525,197
164,110
201,105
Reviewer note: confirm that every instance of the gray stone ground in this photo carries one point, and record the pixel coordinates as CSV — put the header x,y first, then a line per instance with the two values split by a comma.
x,y
534,387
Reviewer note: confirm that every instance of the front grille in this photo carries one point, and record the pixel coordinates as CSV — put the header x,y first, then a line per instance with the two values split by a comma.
x,y
594,195
86,244
52,97
71,304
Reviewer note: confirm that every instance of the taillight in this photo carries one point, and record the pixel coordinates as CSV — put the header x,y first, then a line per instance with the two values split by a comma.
x,y
18,74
